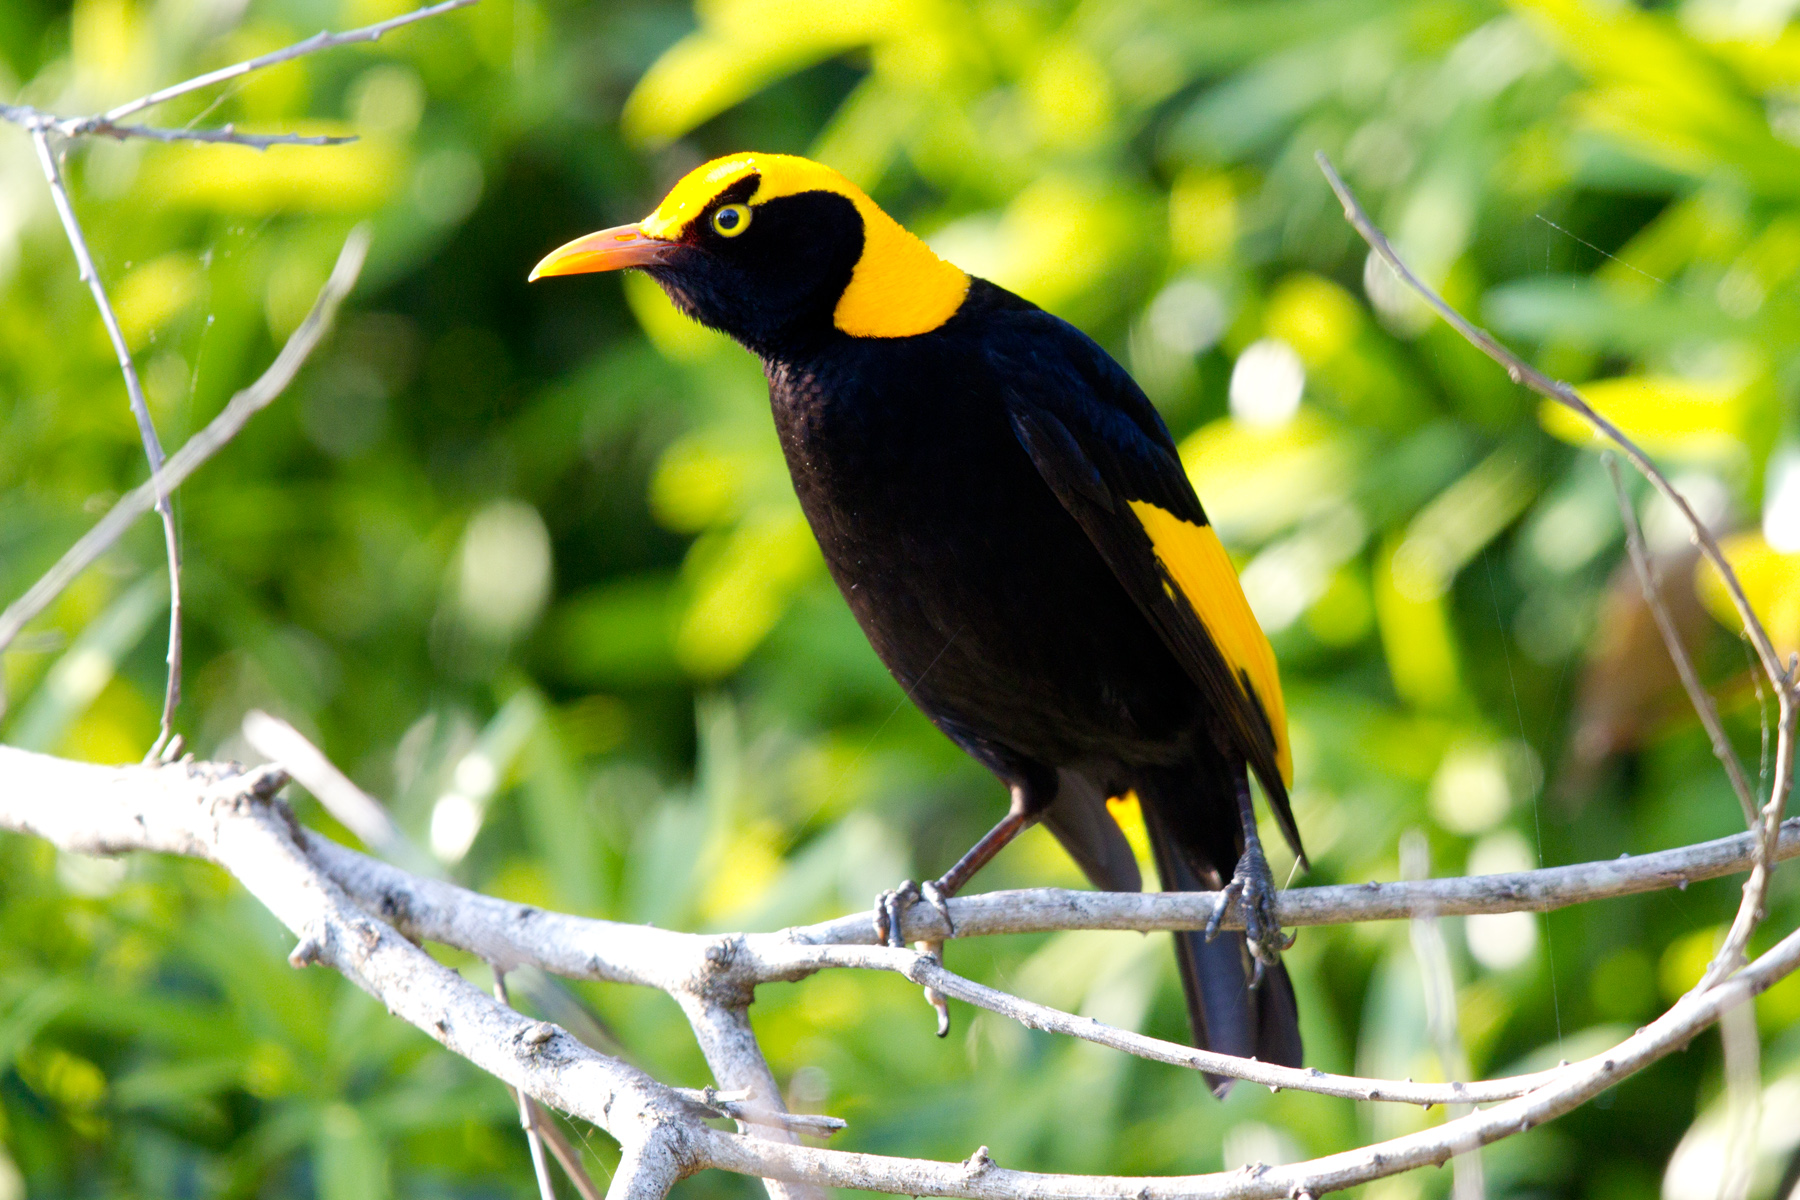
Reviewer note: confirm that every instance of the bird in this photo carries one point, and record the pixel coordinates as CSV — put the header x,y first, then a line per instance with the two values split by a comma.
x,y
1007,516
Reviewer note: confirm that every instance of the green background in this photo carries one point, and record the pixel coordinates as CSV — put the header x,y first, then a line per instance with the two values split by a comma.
x,y
526,559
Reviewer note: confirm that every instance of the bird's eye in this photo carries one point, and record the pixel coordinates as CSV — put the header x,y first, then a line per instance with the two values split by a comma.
x,y
731,220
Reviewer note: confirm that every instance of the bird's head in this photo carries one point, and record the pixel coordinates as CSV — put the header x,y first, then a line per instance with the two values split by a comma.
x,y
774,249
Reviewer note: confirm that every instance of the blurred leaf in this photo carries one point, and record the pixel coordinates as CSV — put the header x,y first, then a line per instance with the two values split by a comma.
x,y
1771,581
353,178
743,45
1683,418
351,1162
87,666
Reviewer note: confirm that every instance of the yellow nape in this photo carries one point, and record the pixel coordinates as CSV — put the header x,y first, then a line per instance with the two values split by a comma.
x,y
1196,560
899,287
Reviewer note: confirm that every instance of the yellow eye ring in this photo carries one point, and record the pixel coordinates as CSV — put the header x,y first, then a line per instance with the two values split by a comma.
x,y
731,220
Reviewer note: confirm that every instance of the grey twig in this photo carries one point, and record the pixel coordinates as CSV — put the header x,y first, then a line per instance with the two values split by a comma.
x,y
529,1117
197,449
225,135
134,390
31,118
1766,822
583,948
324,40
721,1024
42,125
329,895
1684,664
1522,372
741,1106
359,812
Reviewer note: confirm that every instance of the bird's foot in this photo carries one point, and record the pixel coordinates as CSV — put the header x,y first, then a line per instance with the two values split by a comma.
x,y
1252,888
890,907
892,904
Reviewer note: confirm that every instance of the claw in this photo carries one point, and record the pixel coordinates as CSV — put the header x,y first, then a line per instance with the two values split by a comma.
x,y
1253,889
934,997
1226,899
890,906
933,895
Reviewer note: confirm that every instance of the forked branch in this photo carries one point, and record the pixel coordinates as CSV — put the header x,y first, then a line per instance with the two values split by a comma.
x,y
356,914
43,127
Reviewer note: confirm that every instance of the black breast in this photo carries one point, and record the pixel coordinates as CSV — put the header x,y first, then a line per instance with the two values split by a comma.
x,y
982,595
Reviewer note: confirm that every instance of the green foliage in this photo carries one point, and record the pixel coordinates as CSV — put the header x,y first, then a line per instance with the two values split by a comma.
x,y
525,560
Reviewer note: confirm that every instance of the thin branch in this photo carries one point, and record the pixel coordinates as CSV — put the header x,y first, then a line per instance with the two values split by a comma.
x,y
223,814
1684,664
359,812
583,948
225,135
1766,823
323,40
204,811
741,1106
1751,910
31,118
1045,910
569,1159
134,390
979,1178
737,1062
1522,372
529,1118
202,446
588,948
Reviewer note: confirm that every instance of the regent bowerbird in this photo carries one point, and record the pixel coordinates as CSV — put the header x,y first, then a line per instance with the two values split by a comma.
x,y
1007,517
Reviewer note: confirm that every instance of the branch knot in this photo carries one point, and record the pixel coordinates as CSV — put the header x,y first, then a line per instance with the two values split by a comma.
x,y
980,1162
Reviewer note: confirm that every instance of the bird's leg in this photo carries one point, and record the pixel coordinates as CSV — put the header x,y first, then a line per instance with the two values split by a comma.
x,y
892,904
1252,887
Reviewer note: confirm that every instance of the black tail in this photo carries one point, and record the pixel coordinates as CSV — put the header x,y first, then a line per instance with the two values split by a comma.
x,y
1195,833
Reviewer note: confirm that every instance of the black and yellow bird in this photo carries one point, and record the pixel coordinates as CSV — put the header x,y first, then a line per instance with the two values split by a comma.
x,y
1006,514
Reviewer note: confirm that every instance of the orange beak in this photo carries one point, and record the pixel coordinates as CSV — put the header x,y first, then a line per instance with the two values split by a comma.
x,y
609,250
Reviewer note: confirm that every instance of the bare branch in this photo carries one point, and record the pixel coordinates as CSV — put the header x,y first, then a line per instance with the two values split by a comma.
x,y
134,391
723,1031
225,135
528,1110
1684,664
719,969
1751,910
1042,910
1522,372
359,812
208,812
202,446
75,127
224,815
569,1158
980,1178
36,119
1767,822
741,1106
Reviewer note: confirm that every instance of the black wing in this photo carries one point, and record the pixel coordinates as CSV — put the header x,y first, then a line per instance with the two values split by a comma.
x,y
1107,456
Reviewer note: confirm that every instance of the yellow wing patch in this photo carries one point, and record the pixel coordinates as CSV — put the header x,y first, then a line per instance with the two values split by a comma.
x,y
899,287
1195,559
